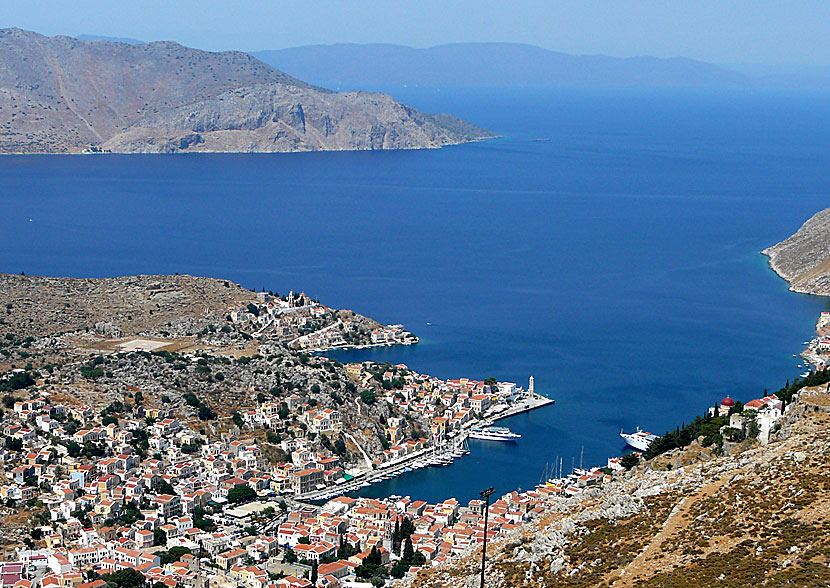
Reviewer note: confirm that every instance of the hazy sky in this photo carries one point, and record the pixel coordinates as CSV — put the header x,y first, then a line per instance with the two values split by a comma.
x,y
720,31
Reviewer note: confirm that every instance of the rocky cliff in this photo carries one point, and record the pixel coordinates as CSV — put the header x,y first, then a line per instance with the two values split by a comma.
x,y
804,259
63,95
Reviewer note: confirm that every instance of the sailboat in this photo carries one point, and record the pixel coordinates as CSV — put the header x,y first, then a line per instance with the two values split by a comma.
x,y
461,448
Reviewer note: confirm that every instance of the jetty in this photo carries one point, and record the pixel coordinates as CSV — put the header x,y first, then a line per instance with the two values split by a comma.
x,y
529,401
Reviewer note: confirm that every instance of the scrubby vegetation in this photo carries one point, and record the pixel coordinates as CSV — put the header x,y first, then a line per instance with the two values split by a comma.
x,y
814,379
705,426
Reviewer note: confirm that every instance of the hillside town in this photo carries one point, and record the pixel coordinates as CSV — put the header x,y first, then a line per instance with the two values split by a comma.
x,y
198,466
306,324
137,488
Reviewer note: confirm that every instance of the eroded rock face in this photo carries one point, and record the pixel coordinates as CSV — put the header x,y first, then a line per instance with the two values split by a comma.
x,y
62,95
804,259
277,118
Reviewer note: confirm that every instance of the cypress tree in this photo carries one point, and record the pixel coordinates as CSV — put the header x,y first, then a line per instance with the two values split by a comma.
x,y
408,551
373,559
396,537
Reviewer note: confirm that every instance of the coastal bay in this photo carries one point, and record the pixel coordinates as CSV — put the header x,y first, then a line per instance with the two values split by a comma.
x,y
633,292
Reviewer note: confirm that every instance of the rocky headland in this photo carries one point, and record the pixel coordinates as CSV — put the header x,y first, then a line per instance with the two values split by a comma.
x,y
804,259
63,95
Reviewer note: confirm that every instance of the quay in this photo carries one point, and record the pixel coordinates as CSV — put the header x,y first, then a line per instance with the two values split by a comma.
x,y
528,401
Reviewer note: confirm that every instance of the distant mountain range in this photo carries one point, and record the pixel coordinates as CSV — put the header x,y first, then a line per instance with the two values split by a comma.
x,y
64,95
497,64
127,40
350,65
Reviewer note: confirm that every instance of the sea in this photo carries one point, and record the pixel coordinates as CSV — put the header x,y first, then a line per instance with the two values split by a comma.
x,y
607,243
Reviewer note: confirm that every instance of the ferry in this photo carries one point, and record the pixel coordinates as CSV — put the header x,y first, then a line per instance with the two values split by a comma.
x,y
639,440
494,434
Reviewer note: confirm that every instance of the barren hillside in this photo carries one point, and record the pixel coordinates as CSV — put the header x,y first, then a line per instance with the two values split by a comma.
x,y
39,306
63,95
804,259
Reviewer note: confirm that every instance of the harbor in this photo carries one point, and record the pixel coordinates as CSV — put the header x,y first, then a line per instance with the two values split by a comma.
x,y
441,454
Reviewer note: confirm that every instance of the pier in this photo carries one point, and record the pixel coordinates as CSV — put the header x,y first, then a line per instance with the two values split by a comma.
x,y
528,401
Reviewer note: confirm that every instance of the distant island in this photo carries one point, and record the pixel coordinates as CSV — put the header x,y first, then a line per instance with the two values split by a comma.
x,y
804,259
488,64
64,95
343,66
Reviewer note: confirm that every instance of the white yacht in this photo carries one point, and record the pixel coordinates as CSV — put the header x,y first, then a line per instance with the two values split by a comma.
x,y
494,434
640,439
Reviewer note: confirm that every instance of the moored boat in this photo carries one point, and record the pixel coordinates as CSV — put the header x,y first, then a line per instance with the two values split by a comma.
x,y
640,440
494,434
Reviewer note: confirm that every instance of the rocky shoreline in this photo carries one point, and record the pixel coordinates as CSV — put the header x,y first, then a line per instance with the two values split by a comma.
x,y
803,259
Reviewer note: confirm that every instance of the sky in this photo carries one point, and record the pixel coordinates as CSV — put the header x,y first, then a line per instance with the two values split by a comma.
x,y
719,31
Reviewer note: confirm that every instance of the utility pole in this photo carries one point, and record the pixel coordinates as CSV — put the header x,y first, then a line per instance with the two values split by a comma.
x,y
485,496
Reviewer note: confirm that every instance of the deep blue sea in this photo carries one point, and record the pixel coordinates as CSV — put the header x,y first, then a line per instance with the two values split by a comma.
x,y
607,244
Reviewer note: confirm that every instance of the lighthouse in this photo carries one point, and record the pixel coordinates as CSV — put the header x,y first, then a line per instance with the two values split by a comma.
x,y
530,386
